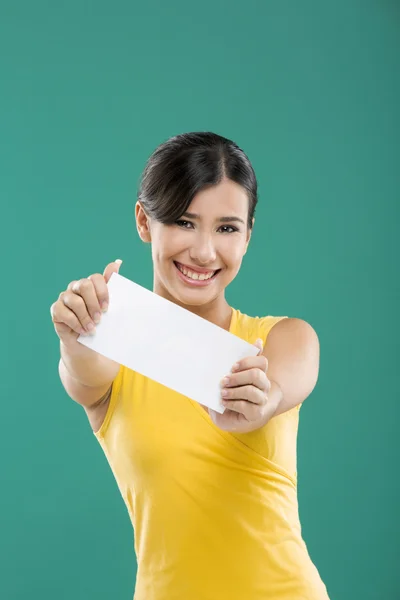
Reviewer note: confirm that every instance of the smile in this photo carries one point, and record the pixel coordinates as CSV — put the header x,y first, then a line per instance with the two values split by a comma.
x,y
195,277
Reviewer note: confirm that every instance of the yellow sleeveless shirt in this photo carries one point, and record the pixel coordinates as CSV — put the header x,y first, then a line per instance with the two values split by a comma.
x,y
215,514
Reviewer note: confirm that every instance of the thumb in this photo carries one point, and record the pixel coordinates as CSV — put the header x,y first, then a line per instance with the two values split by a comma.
x,y
259,344
112,268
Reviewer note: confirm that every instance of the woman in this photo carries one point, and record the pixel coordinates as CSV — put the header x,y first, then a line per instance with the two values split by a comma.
x,y
212,497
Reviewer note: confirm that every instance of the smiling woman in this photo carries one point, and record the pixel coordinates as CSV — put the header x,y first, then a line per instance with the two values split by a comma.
x,y
212,177
211,240
212,497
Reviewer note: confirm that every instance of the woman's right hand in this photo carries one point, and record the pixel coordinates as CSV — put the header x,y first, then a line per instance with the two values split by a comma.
x,y
78,309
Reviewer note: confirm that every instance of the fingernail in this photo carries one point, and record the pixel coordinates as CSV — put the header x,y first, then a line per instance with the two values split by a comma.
x,y
224,393
90,327
225,381
235,367
97,317
119,261
104,306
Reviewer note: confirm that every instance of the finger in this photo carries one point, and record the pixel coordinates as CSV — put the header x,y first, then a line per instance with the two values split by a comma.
x,y
246,392
112,268
255,377
259,344
250,411
101,290
64,319
85,288
76,303
251,362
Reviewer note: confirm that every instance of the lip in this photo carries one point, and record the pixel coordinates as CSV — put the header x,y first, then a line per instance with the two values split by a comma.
x,y
196,282
200,270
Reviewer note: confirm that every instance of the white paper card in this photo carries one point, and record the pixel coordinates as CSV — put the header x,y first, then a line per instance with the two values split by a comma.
x,y
166,342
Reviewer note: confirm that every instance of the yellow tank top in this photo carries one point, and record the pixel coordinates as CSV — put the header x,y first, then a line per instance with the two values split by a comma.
x,y
215,514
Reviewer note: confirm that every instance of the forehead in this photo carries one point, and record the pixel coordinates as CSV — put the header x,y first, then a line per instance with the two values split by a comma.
x,y
225,198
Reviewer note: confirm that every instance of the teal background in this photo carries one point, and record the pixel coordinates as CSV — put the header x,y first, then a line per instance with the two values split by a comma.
x,y
311,91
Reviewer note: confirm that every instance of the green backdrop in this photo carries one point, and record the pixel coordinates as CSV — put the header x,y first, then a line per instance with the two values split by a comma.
x,y
311,91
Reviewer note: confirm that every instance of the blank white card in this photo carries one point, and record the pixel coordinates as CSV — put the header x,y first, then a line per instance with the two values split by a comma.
x,y
166,342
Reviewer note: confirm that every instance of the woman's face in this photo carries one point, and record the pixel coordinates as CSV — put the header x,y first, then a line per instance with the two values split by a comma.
x,y
199,255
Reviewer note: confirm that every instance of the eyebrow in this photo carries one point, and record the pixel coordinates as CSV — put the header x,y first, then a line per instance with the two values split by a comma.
x,y
220,220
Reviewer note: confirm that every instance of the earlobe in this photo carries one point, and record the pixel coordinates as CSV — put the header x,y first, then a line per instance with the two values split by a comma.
x,y
142,223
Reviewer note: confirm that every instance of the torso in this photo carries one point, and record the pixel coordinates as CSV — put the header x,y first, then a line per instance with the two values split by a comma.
x,y
201,498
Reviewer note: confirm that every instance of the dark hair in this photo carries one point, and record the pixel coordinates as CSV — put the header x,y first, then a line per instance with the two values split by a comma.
x,y
188,163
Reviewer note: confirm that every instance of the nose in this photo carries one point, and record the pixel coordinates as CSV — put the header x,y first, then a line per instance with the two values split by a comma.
x,y
203,250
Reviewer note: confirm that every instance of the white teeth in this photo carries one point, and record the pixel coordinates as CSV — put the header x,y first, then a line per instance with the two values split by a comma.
x,y
195,276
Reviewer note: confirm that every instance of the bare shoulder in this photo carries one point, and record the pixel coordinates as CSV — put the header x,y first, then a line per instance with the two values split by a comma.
x,y
293,327
292,337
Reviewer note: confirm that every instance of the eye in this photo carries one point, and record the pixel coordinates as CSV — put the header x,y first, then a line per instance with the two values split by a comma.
x,y
228,229
184,224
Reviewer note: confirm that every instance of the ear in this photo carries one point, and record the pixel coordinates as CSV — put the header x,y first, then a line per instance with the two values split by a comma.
x,y
142,223
248,238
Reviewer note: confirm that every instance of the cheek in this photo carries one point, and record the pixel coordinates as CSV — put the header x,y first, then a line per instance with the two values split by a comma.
x,y
233,251
168,244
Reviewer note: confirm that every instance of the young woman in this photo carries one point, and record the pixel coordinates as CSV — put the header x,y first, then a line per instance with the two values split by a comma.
x,y
212,497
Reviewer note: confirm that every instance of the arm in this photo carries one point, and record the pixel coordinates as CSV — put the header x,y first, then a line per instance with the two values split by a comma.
x,y
281,377
86,375
293,353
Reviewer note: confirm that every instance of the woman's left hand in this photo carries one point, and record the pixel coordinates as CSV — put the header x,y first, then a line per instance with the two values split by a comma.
x,y
245,395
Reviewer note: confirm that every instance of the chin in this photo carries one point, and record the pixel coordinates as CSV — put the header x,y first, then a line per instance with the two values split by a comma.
x,y
194,297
